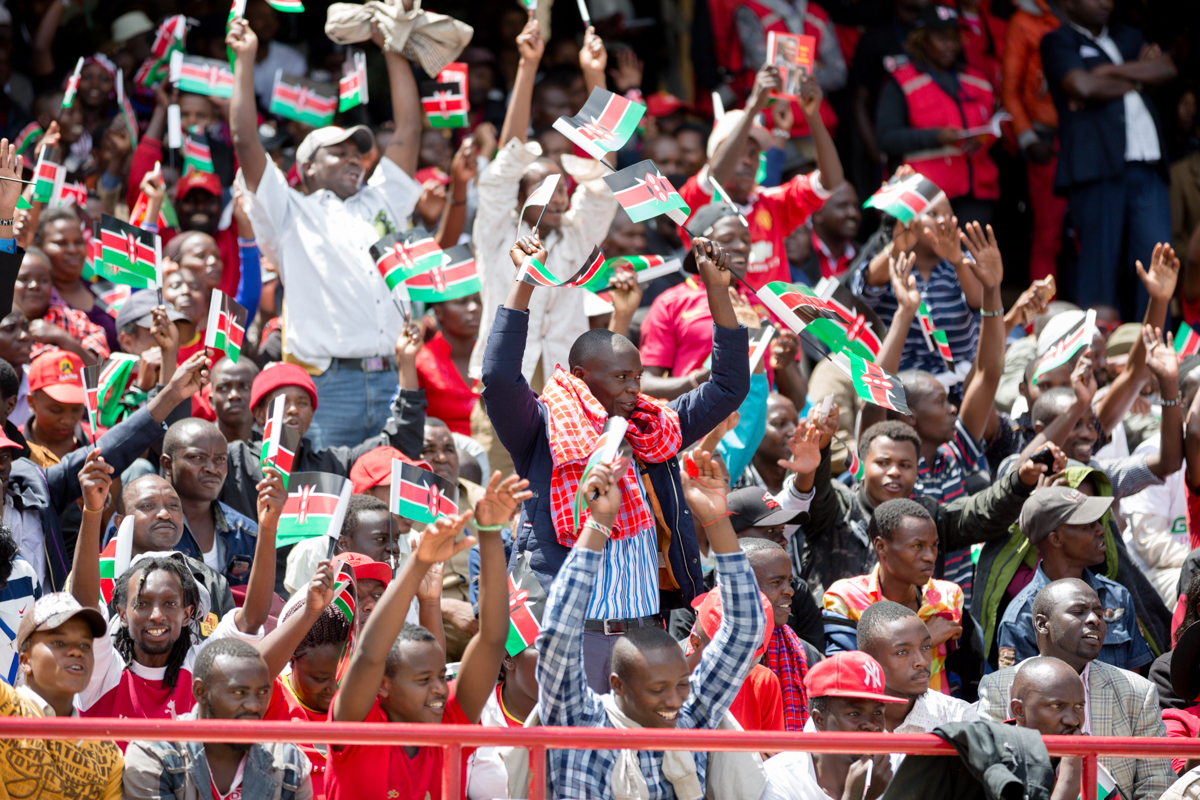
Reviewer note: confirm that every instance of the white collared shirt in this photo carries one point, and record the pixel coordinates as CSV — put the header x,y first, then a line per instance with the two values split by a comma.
x,y
1141,134
933,709
40,704
337,304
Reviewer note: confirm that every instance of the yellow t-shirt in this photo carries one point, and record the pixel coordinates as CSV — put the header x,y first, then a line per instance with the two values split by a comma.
x,y
49,769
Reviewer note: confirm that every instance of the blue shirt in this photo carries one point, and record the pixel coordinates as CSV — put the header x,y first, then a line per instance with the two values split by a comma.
x,y
8,245
1123,645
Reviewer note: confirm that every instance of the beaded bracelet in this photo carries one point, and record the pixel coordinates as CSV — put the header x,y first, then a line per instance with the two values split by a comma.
x,y
488,528
604,529
997,313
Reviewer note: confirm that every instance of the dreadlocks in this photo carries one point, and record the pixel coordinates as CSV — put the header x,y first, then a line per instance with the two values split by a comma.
x,y
331,627
123,641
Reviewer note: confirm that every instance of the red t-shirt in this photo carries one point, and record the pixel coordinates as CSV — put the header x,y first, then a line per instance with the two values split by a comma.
x,y
1193,514
448,396
381,772
774,213
759,704
285,706
677,332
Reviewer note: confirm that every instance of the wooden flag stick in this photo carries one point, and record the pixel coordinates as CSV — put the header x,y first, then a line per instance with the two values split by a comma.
x,y
400,308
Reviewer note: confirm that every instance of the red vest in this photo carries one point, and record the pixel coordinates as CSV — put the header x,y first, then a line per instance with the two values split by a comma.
x,y
816,25
956,173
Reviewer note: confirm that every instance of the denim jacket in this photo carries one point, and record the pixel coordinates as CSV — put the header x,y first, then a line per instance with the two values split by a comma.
x,y
179,771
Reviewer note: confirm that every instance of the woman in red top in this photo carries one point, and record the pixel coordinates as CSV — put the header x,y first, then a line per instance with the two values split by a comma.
x,y
442,362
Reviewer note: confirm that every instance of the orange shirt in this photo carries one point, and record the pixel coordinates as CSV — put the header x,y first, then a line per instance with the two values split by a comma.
x,y
1023,90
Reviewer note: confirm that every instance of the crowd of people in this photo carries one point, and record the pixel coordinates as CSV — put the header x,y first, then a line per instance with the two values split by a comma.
x,y
951,486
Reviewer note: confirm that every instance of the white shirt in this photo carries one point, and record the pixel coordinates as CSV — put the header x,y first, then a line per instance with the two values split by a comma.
x,y
45,708
30,538
279,56
1157,533
792,776
337,304
556,316
487,776
1141,134
933,709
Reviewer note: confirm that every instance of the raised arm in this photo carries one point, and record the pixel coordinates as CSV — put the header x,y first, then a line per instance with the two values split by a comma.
x,y
463,170
731,151
485,652
1164,365
406,111
530,48
94,479
908,303
978,411
260,587
987,515
278,646
360,684
829,164
243,114
1083,382
593,61
1191,444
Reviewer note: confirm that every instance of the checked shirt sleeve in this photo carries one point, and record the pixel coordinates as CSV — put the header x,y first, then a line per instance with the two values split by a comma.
x,y
728,658
565,697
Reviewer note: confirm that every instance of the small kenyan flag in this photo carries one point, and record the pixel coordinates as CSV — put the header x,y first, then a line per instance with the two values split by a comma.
x,y
1187,342
420,495
534,273
906,198
644,193
352,89
28,135
91,384
72,85
108,570
197,155
1065,348
199,75
287,6
226,325
69,194
647,268
129,253
526,601
280,442
47,177
795,305
236,10
935,339
603,125
166,214
836,336
760,342
345,600
853,464
153,71
608,447
305,101
171,34
445,104
403,255
110,381
857,327
872,383
458,278
590,269
125,109
316,506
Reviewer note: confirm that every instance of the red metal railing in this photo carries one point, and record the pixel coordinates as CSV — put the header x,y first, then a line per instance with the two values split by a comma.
x,y
453,738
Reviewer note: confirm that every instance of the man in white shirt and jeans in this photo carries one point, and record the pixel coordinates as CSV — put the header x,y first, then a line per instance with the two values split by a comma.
x,y
339,321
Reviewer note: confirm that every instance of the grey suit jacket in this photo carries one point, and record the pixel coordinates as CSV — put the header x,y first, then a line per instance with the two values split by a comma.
x,y
1120,703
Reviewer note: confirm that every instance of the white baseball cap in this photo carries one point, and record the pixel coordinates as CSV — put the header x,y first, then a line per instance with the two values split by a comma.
x,y
331,135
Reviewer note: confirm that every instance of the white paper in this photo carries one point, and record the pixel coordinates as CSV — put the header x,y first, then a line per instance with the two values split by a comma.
x,y
583,12
826,406
718,106
992,128
761,346
174,127
176,66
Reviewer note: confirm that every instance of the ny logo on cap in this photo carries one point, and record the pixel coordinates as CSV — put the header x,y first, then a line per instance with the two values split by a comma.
x,y
770,501
871,675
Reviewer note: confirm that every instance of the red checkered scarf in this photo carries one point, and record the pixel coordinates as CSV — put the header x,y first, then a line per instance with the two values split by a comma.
x,y
576,419
785,657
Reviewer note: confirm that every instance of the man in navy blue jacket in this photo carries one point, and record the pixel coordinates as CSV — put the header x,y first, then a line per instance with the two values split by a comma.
x,y
1112,166
652,561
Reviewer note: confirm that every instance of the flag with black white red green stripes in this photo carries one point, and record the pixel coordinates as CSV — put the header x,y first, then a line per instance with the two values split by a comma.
x,y
306,101
445,104
608,447
836,336
197,155
226,325
935,339
645,268
125,109
534,272
72,85
794,304
316,506
644,193
129,253
1066,346
906,198
352,89
458,277
280,441
108,382
858,327
603,125
91,385
48,177
345,600
872,383
526,602
286,6
421,495
1187,341
200,75
404,254
28,135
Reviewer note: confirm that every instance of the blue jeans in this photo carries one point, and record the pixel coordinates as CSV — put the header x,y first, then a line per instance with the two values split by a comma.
x,y
1118,221
352,406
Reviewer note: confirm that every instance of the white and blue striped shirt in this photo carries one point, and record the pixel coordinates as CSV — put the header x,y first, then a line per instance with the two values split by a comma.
x,y
627,583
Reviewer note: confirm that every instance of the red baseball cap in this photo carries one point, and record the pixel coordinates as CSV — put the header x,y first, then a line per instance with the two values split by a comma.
x,y
708,614
374,468
364,567
197,180
60,375
7,442
431,174
849,674
278,375
660,104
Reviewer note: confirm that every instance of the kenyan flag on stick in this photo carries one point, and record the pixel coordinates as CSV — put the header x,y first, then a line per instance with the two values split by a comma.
x,y
420,495
871,383
535,273
129,253
526,601
108,382
646,268
608,447
459,277
836,336
644,193
603,125
935,339
280,442
108,570
286,6
445,104
316,506
345,600
28,135
795,305
352,89
1187,342
906,198
856,325
197,155
226,325
125,109
399,256
199,75
305,101
1063,350
47,177
91,384
72,85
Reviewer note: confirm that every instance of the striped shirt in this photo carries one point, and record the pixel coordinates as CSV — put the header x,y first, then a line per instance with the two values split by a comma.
x,y
946,302
946,478
626,585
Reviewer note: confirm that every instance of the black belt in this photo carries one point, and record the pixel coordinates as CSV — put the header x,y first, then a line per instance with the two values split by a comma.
x,y
374,364
613,627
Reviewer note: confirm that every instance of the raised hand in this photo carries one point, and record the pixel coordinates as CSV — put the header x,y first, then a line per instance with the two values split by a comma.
x,y
409,343
95,479
465,164
626,292
438,543
529,42
528,245
827,426
320,588
242,40
50,138
1031,473
1032,302
1083,379
810,96
784,348
766,81
628,72
782,116
593,58
712,262
904,283
501,499
943,236
743,310
602,491
806,449
1160,356
988,266
705,493
191,375
1163,274
430,589
10,167
271,496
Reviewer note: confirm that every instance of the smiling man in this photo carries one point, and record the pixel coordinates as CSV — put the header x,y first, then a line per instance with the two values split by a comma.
x,y
1067,527
1068,619
340,320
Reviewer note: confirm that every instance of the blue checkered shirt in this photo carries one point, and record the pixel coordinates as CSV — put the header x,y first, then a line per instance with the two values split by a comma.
x,y
567,700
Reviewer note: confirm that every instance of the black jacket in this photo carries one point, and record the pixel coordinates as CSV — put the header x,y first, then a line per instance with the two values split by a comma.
x,y
994,762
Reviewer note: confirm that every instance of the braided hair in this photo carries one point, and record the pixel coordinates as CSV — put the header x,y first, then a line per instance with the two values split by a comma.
x,y
331,627
123,641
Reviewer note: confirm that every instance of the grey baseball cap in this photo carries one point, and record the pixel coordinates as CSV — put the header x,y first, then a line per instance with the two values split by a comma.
x,y
53,610
330,135
138,307
1052,506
